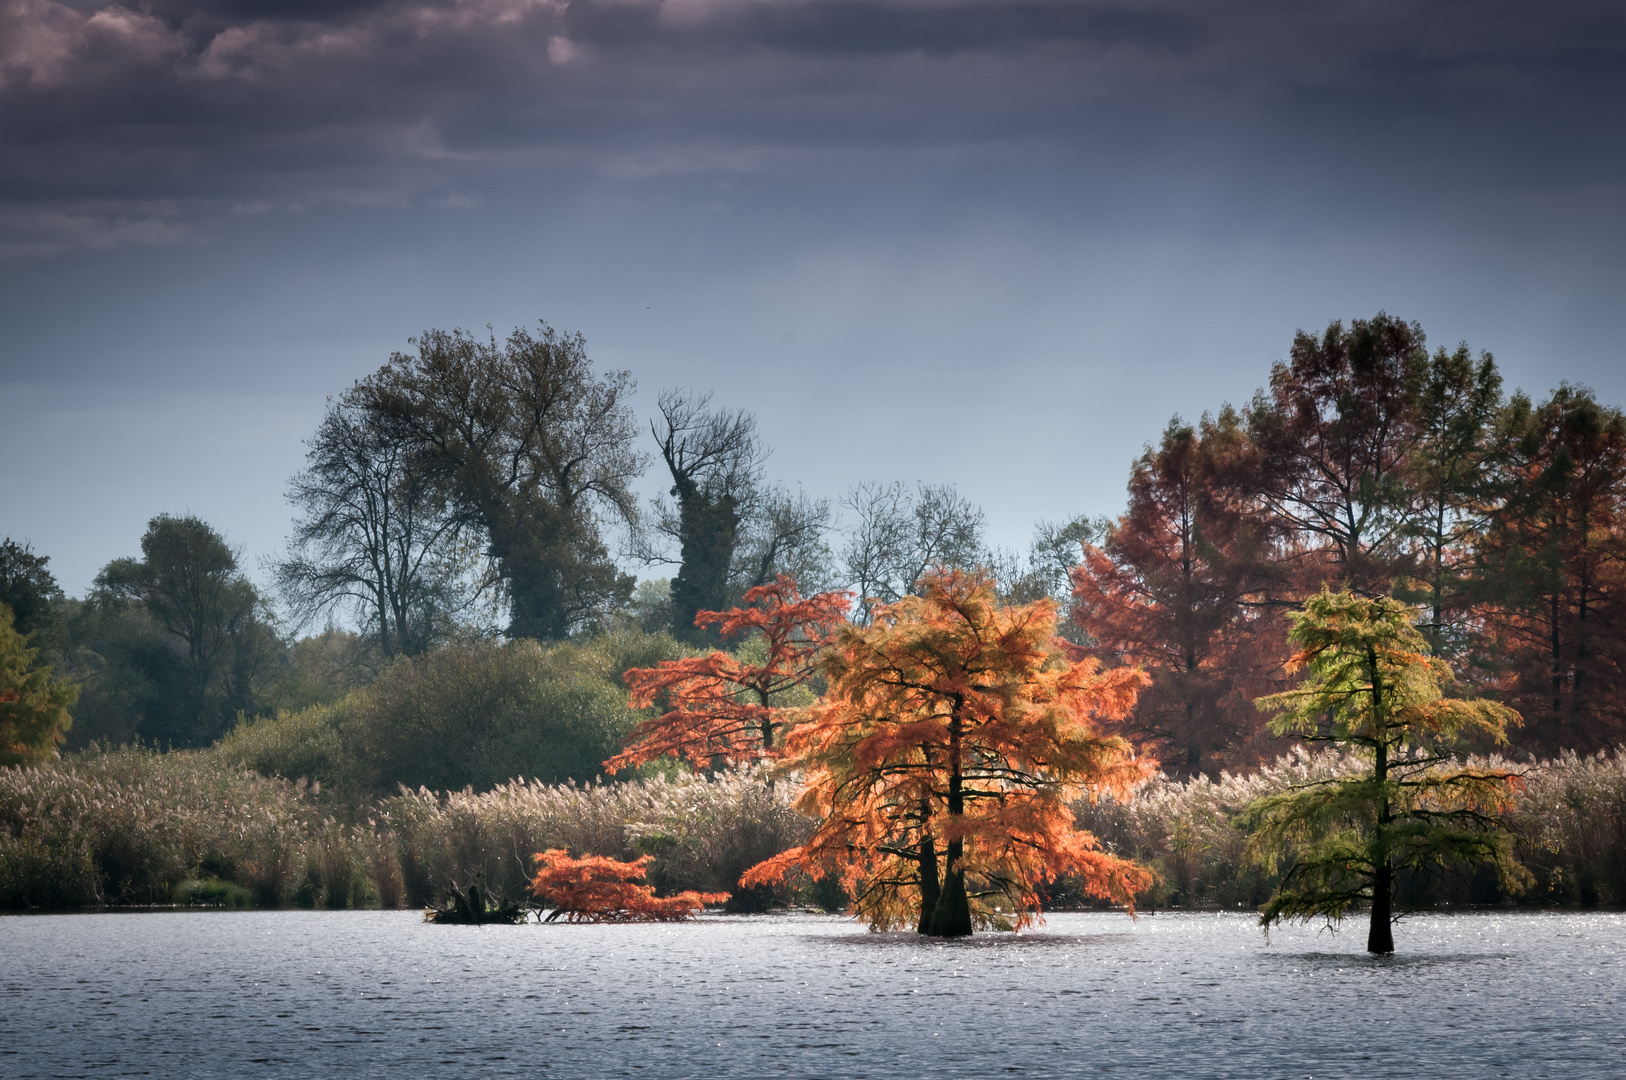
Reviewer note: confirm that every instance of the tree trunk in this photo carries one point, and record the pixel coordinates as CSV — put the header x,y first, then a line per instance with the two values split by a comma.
x,y
930,889
1380,936
951,916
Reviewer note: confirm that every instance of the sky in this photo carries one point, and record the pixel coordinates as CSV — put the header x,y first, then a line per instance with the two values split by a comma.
x,y
997,244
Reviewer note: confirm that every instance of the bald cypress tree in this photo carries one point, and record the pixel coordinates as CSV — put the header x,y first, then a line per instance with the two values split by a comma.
x,y
1371,688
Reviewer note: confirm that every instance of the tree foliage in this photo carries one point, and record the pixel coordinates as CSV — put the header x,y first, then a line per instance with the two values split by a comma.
x,y
940,762
596,888
29,589
731,530
1551,573
1334,437
534,450
1371,687
715,460
33,705
727,708
182,641
1182,586
1371,465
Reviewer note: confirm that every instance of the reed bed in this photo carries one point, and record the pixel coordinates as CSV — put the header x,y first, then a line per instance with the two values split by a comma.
x,y
135,826
704,832
1568,821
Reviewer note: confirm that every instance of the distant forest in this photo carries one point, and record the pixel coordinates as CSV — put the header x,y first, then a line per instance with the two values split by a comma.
x,y
474,489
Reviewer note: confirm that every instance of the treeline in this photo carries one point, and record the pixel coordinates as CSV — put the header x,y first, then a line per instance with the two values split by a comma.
x,y
1369,463
474,489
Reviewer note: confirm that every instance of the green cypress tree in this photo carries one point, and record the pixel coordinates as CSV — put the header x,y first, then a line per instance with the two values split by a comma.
x,y
1372,688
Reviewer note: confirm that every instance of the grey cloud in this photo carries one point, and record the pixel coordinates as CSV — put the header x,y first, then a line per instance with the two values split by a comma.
x,y
216,104
864,27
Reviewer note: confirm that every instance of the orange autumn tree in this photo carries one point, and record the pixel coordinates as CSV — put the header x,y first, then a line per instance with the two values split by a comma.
x,y
942,759
595,888
718,706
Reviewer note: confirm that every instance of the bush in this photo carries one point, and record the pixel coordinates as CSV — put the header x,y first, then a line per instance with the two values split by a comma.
x,y
295,745
472,715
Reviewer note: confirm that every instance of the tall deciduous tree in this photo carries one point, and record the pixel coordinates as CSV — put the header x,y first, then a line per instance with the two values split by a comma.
x,y
1372,688
1553,570
722,707
899,534
1449,480
187,582
941,761
1335,436
732,532
33,705
377,534
1183,585
534,450
715,459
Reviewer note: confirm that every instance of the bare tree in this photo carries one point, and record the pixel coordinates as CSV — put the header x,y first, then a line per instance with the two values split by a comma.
x,y
377,533
784,534
900,533
715,459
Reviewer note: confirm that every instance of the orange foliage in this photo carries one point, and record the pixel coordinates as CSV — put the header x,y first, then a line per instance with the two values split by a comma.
x,y
941,762
598,889
717,705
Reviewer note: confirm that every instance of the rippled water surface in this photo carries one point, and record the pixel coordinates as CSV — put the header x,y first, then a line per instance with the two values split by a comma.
x,y
381,993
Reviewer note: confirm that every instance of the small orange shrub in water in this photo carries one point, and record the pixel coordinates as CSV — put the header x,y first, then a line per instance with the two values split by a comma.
x,y
600,889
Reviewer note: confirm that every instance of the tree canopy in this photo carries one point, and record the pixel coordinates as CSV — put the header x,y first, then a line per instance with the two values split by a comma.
x,y
941,759
535,450
728,708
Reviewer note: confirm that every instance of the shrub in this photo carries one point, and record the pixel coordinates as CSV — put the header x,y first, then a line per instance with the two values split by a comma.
x,y
598,889
479,715
296,745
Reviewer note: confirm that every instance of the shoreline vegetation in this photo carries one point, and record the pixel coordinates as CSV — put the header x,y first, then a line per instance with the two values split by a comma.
x,y
136,828
1389,553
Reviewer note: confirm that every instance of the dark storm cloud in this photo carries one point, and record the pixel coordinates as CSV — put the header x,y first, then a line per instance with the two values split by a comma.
x,y
120,126
856,27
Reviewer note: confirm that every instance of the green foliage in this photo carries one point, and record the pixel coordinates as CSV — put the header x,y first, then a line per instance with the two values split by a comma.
x,y
29,589
320,670
1371,687
467,715
484,713
307,744
172,646
33,705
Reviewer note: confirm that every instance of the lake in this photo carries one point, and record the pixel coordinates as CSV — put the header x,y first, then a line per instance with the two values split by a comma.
x,y
362,994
